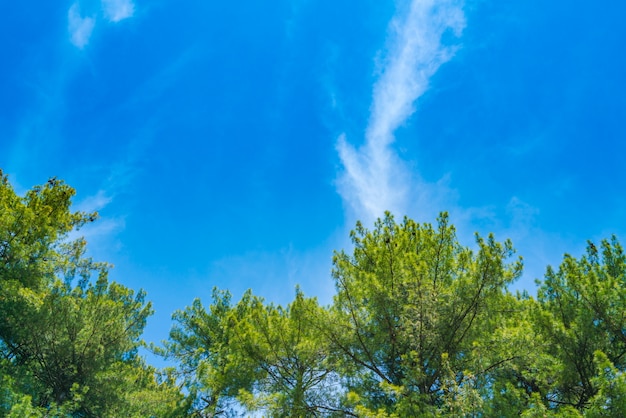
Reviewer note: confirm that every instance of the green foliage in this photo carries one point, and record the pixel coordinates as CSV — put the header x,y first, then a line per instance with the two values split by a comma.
x,y
420,326
610,399
583,312
295,378
264,358
210,362
410,304
69,337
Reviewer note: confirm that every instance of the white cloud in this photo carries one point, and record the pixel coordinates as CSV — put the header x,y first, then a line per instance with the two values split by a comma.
x,y
101,236
116,10
80,28
94,203
523,216
375,179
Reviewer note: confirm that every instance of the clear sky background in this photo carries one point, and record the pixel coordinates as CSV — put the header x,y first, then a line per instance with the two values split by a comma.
x,y
235,144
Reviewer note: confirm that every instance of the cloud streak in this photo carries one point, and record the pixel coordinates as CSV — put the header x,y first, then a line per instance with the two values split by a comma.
x,y
375,179
116,10
80,28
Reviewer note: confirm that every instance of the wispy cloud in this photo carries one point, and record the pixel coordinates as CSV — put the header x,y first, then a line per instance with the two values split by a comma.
x,y
116,10
80,28
94,203
375,178
102,234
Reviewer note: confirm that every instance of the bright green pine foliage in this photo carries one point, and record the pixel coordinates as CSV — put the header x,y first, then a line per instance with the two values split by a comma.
x,y
264,358
68,336
296,379
211,363
514,361
584,322
420,326
610,400
411,306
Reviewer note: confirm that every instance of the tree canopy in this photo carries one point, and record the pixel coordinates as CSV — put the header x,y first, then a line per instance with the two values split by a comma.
x,y
420,325
69,337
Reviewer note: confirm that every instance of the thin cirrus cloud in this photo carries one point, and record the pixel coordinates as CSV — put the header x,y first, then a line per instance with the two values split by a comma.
x,y
81,27
116,10
375,178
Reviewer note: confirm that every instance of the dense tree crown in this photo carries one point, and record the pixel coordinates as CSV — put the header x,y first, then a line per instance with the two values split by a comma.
x,y
68,336
420,325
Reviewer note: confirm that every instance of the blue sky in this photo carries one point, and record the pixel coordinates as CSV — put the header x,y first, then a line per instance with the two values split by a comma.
x,y
235,144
